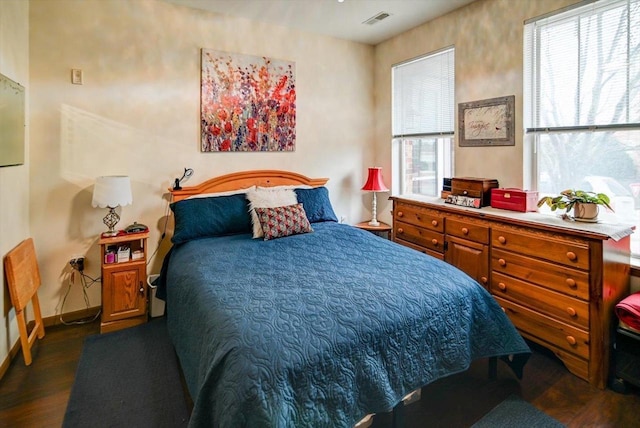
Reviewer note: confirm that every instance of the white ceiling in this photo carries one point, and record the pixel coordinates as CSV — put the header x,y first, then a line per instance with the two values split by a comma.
x,y
343,20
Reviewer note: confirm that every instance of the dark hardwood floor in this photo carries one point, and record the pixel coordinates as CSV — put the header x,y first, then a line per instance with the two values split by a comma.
x,y
36,396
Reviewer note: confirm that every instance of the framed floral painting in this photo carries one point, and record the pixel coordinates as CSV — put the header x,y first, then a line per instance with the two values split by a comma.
x,y
248,103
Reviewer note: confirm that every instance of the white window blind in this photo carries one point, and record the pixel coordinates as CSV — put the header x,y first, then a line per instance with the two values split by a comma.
x,y
583,68
423,95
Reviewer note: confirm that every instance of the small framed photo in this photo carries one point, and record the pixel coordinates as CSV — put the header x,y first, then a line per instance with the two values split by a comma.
x,y
487,122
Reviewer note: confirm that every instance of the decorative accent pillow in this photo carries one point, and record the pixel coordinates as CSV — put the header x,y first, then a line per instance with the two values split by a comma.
x,y
268,198
207,217
316,204
283,221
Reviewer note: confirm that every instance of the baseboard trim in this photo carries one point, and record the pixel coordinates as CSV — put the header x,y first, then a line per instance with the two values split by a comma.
x,y
7,361
69,317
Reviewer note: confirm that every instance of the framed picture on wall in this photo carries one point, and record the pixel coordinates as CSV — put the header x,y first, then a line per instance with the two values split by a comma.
x,y
487,122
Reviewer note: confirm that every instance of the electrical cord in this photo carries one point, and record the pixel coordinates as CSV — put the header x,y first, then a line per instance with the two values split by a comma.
x,y
85,285
164,232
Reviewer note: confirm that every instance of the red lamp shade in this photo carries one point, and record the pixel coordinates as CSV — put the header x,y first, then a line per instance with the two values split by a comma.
x,y
374,181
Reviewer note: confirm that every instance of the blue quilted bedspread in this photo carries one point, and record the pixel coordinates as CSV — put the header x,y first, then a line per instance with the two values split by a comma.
x,y
320,329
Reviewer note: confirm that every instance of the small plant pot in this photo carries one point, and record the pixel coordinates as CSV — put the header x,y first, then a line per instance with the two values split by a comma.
x,y
587,212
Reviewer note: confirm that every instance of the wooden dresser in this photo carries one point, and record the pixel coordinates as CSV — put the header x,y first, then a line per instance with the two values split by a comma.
x,y
557,281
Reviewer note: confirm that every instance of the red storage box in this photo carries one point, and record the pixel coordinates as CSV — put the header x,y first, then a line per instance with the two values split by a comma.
x,y
514,199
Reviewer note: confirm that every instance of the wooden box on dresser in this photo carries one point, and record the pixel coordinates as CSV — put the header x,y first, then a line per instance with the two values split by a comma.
x,y
557,281
124,282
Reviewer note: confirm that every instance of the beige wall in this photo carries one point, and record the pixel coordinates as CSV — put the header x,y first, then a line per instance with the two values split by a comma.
x,y
14,180
488,40
138,114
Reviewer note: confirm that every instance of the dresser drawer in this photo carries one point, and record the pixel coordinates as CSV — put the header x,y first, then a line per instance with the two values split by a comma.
x,y
419,217
558,306
571,282
547,329
466,230
439,256
555,250
425,238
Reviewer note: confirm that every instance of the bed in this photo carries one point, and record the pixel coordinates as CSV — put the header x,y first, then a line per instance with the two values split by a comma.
x,y
315,327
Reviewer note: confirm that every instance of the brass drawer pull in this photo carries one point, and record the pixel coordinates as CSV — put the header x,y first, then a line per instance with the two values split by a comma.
x,y
465,231
571,282
502,286
400,214
572,312
400,230
434,222
571,340
502,262
502,239
434,241
484,279
571,256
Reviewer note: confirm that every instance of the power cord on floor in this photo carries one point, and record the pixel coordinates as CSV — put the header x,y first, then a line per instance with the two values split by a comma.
x,y
86,282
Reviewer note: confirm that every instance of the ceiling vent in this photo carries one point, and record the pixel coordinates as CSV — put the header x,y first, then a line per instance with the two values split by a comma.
x,y
377,18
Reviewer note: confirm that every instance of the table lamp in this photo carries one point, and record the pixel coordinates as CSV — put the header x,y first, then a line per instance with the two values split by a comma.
x,y
110,192
374,184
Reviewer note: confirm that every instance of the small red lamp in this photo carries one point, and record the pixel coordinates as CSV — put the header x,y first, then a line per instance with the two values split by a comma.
x,y
374,184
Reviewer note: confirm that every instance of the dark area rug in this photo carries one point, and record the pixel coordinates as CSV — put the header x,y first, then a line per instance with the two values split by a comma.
x,y
515,412
128,378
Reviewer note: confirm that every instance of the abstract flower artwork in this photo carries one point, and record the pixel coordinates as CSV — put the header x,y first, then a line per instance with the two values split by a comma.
x,y
248,103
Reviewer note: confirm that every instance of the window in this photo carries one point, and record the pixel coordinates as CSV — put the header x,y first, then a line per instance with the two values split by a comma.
x,y
423,123
582,104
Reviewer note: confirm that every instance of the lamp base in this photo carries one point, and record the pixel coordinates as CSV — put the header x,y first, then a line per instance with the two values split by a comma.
x,y
374,223
109,233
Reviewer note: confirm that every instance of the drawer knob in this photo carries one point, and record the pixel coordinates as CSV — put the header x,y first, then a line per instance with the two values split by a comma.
x,y
434,241
434,222
571,255
571,340
464,192
465,231
484,279
571,311
502,262
571,282
400,214
502,286
502,239
400,230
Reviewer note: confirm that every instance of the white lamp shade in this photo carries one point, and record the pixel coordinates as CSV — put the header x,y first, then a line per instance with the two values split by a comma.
x,y
112,191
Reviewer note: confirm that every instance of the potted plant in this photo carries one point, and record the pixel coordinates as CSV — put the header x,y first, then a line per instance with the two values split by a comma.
x,y
584,204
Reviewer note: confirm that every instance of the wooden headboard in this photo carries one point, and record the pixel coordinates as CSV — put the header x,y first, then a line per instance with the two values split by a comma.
x,y
245,179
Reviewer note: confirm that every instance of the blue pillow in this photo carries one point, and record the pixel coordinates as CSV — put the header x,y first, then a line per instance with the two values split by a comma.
x,y
316,204
207,217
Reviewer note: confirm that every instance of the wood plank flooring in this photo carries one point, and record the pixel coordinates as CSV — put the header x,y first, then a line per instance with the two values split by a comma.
x,y
36,396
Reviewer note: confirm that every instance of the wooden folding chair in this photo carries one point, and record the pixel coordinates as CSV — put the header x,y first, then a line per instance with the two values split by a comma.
x,y
23,277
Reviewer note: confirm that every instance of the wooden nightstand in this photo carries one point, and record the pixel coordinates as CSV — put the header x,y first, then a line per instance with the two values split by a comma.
x,y
383,229
124,283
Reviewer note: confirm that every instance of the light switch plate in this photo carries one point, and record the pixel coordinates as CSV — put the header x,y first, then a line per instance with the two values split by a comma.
x,y
76,76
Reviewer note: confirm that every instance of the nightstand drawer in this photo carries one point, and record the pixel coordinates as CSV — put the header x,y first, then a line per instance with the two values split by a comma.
x,y
424,238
